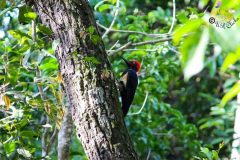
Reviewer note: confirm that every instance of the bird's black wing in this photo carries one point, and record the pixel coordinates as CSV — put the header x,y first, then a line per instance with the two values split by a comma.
x,y
129,81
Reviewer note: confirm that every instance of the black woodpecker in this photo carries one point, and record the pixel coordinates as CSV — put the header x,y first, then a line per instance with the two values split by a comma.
x,y
128,84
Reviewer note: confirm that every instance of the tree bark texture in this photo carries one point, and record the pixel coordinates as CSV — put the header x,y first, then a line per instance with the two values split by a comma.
x,y
88,79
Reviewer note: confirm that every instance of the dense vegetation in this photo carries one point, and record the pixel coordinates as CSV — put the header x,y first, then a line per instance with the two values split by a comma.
x,y
188,81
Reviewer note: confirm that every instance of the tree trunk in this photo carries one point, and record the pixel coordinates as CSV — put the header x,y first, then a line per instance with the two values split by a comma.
x,y
88,79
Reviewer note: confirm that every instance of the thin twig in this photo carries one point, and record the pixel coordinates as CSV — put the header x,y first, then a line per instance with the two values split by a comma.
x,y
151,41
37,94
34,30
144,103
163,134
119,49
149,153
173,50
135,32
113,21
46,130
125,46
5,112
174,17
52,139
3,87
140,49
114,45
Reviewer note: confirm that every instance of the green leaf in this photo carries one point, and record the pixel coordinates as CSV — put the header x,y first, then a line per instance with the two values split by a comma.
x,y
192,54
10,147
221,145
28,134
190,26
212,123
24,153
233,92
22,38
7,101
49,65
183,16
22,11
30,15
139,53
19,34
44,29
2,4
226,38
91,29
215,155
95,39
206,152
104,7
231,59
113,1
150,80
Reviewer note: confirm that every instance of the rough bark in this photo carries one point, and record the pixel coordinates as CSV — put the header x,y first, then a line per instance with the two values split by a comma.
x,y
88,79
64,136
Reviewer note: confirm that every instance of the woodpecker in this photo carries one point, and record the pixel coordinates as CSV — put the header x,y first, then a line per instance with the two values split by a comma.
x,y
128,84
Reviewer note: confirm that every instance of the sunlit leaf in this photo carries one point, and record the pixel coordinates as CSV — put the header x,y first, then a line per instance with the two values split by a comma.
x,y
187,28
10,147
31,15
233,92
47,125
91,29
231,59
104,7
193,51
215,155
139,53
22,11
206,152
7,101
59,77
24,153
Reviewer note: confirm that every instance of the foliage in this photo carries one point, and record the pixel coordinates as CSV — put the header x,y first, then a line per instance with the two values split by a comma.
x,y
191,82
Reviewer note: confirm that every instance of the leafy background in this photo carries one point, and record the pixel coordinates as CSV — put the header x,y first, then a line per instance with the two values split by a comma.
x,y
189,83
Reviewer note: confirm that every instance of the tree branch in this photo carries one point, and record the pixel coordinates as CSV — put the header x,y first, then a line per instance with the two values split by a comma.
x,y
51,141
135,32
111,52
113,21
144,103
174,17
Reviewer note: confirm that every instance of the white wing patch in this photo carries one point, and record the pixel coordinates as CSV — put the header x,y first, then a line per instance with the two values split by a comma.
x,y
124,79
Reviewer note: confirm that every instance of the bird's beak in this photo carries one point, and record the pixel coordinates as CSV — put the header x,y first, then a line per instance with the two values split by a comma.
x,y
125,61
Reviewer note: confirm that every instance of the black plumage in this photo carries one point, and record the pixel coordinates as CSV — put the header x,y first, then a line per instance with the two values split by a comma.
x,y
129,82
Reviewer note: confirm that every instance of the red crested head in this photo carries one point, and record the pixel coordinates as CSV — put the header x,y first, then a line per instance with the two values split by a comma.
x,y
135,65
